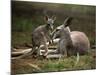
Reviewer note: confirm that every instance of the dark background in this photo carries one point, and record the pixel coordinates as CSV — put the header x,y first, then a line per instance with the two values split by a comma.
x,y
26,16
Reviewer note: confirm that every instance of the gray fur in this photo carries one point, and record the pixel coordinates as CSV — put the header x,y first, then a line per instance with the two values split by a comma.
x,y
41,34
71,43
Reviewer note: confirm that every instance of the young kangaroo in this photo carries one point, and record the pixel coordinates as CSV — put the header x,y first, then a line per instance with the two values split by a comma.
x,y
41,34
71,42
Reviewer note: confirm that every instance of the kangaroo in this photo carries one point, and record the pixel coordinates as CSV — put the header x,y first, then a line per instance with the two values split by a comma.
x,y
55,38
73,42
41,35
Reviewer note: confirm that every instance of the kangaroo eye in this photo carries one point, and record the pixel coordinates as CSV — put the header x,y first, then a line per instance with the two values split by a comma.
x,y
48,24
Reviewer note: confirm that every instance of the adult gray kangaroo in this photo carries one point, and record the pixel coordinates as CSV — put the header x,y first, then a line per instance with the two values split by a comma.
x,y
73,42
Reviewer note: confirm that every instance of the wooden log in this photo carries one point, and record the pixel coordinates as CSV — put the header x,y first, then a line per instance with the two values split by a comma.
x,y
34,66
14,54
28,50
54,56
55,41
17,57
25,54
21,52
52,47
50,51
13,49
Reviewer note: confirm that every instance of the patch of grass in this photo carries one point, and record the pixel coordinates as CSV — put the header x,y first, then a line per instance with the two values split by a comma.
x,y
53,66
86,62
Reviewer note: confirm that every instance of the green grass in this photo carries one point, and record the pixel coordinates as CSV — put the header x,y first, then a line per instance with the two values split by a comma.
x,y
69,64
86,62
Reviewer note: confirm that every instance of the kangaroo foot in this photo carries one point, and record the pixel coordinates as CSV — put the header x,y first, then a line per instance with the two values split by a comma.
x,y
46,54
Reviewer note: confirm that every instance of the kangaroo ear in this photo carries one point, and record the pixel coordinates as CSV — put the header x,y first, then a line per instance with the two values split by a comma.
x,y
67,21
53,17
46,18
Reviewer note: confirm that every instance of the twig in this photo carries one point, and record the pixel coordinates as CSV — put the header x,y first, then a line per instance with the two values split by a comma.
x,y
34,66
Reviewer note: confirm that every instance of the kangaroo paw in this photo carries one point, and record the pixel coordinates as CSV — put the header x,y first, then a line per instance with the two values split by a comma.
x,y
46,54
